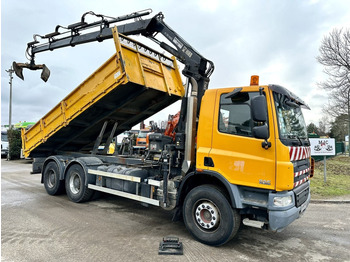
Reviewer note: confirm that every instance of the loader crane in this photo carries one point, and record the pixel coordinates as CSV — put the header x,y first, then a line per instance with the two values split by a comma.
x,y
196,66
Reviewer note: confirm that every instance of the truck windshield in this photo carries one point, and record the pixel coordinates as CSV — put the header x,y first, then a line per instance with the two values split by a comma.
x,y
290,119
143,134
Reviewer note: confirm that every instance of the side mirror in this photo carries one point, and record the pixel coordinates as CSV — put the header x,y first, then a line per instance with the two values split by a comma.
x,y
259,109
261,132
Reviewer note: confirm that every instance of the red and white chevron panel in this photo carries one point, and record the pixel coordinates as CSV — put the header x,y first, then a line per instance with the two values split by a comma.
x,y
296,174
299,152
298,183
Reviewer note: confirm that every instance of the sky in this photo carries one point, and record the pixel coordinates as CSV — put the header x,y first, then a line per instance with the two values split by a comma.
x,y
275,39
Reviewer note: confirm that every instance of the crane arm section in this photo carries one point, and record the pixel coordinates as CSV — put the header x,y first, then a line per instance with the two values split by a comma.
x,y
196,66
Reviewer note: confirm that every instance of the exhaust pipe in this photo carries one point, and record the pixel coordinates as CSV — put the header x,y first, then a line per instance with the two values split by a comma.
x,y
190,128
18,68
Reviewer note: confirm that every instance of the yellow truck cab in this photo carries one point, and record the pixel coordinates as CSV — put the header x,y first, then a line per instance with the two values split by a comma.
x,y
268,178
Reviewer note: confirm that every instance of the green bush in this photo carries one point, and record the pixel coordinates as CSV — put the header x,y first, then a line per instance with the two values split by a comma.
x,y
15,143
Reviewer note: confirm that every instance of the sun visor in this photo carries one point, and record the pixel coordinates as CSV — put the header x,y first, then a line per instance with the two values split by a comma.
x,y
281,90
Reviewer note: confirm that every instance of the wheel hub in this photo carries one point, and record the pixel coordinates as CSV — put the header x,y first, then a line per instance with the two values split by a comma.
x,y
207,215
51,179
74,184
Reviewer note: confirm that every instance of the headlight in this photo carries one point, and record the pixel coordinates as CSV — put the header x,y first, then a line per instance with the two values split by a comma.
x,y
282,201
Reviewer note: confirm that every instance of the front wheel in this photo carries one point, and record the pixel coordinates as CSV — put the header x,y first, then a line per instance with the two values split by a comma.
x,y
76,189
209,216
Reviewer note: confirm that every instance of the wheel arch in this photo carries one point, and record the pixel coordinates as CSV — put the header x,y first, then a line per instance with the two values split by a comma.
x,y
61,162
65,162
85,163
195,179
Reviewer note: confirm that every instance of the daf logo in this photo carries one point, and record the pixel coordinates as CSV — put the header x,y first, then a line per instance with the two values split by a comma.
x,y
264,182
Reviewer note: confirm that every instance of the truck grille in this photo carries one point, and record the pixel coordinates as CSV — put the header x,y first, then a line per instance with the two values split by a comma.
x,y
300,157
301,171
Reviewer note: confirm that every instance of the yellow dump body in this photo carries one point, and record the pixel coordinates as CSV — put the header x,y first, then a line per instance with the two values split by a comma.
x,y
132,85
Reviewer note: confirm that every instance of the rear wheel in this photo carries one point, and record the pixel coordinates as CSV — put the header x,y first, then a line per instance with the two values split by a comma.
x,y
209,216
52,182
76,189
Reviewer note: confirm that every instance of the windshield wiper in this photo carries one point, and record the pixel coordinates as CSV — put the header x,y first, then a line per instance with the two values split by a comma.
x,y
295,136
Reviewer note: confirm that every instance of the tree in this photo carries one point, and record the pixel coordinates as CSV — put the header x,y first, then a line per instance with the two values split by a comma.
x,y
339,128
335,56
323,125
312,129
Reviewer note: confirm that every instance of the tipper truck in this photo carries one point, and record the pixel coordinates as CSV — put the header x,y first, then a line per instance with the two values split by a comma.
x,y
237,155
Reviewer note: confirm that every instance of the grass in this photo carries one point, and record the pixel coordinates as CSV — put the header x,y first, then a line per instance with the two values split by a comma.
x,y
338,178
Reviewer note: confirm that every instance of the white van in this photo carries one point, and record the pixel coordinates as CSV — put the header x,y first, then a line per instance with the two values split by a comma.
x,y
4,144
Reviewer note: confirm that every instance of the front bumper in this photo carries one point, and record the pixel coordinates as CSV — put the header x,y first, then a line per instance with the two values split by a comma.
x,y
281,217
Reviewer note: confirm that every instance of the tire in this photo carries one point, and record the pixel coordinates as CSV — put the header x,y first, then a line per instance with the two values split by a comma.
x,y
209,217
53,184
76,189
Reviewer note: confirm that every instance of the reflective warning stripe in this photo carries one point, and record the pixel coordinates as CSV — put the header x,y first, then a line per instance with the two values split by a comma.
x,y
298,183
299,152
299,173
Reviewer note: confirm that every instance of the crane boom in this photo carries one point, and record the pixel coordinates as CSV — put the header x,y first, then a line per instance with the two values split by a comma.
x,y
196,65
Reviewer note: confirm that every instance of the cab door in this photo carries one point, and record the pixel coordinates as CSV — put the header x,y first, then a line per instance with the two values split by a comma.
x,y
235,153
